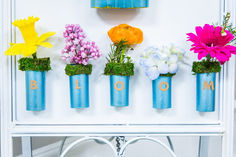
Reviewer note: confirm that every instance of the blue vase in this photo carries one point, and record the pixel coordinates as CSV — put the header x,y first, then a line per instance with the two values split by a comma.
x,y
35,90
119,90
162,92
79,91
119,3
206,92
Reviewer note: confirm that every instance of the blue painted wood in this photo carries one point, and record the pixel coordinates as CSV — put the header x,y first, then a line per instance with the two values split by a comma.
x,y
119,3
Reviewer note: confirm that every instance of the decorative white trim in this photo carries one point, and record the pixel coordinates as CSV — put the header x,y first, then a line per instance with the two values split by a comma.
x,y
162,130
72,145
6,139
229,73
123,148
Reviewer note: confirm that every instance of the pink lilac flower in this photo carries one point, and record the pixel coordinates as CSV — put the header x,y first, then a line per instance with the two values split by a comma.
x,y
210,40
77,50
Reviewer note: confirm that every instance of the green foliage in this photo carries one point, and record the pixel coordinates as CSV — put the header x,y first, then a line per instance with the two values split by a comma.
x,y
232,30
205,66
229,26
34,64
168,75
118,53
122,69
118,61
77,69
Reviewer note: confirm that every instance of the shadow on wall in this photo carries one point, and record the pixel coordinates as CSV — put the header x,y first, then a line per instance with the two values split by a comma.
x,y
110,15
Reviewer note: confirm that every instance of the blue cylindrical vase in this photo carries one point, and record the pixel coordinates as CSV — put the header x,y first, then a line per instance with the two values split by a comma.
x,y
161,88
119,3
206,92
35,90
79,91
119,91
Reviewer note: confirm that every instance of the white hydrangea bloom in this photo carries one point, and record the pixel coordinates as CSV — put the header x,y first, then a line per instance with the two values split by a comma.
x,y
161,61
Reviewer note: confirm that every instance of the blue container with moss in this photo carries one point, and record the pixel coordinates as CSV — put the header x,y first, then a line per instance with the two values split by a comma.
x,y
119,82
79,84
205,72
119,3
35,70
120,66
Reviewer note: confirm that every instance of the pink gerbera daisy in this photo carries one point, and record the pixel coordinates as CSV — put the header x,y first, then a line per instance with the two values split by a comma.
x,y
210,40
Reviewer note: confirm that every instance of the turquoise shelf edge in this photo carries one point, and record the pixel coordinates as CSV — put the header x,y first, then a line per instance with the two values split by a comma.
x,y
119,3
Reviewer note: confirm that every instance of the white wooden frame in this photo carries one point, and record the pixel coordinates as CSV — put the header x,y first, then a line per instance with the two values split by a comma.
x,y
9,129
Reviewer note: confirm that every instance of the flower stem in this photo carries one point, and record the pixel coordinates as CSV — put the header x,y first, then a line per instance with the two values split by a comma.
x,y
226,20
34,56
122,54
208,57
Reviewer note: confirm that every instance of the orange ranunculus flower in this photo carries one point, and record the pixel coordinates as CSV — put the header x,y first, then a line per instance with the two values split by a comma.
x,y
124,32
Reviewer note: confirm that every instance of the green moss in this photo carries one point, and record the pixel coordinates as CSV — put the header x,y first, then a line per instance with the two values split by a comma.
x,y
168,75
122,69
206,67
34,64
77,69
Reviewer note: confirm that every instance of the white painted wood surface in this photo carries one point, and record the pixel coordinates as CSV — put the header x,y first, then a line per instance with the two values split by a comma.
x,y
26,146
163,23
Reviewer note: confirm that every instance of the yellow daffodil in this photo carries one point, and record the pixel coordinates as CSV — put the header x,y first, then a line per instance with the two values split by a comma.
x,y
32,41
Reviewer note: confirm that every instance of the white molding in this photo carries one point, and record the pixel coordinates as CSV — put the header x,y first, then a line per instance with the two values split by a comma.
x,y
68,130
84,139
123,148
6,139
50,149
229,74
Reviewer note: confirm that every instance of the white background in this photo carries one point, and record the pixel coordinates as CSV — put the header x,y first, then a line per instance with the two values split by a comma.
x,y
164,22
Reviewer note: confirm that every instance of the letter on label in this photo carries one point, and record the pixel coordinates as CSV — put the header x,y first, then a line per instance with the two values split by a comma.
x,y
33,85
211,85
164,89
122,85
77,84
